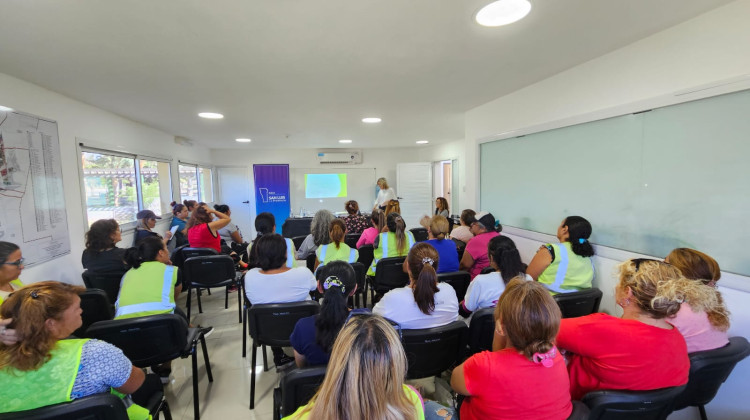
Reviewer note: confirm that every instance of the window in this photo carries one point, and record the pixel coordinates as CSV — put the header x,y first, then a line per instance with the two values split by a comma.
x,y
196,183
114,189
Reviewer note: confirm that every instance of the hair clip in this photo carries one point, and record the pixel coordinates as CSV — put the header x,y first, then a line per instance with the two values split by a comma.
x,y
428,260
333,281
581,240
34,294
545,358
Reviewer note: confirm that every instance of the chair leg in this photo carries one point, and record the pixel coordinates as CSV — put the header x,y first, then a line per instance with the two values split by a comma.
x,y
226,298
196,403
205,360
200,307
702,410
239,303
265,359
252,375
244,332
165,410
189,296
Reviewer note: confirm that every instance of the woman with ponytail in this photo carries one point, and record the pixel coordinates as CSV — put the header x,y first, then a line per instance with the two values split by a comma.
x,y
438,238
337,250
377,220
423,303
566,266
486,289
524,376
180,216
313,336
265,224
639,351
396,242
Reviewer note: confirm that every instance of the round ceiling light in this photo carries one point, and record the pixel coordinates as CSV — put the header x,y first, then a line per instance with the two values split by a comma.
x,y
371,120
211,115
243,140
346,141
422,141
503,12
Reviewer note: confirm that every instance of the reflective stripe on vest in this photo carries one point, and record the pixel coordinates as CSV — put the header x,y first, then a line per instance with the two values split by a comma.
x,y
562,269
289,253
352,253
323,250
164,305
571,273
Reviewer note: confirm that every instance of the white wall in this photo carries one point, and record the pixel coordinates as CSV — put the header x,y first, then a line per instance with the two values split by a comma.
x,y
77,120
709,48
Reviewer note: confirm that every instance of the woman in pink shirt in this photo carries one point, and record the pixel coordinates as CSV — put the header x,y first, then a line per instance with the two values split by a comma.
x,y
377,218
475,256
702,319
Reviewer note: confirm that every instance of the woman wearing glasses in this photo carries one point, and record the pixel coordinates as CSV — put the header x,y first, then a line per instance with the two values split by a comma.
x,y
10,270
639,351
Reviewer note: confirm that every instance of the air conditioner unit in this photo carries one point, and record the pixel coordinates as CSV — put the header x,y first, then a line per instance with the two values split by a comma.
x,y
340,158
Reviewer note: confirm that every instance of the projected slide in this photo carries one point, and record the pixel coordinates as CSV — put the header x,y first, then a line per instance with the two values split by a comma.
x,y
325,185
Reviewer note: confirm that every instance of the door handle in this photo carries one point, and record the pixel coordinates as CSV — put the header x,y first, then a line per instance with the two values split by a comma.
x,y
246,202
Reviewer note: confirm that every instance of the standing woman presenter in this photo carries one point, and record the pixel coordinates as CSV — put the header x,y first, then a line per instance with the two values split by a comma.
x,y
385,195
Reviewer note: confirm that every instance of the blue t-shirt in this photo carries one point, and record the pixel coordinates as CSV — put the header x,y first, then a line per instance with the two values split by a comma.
x,y
303,342
446,248
176,221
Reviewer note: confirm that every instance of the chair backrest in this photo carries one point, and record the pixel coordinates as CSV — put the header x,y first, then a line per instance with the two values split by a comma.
x,y
460,247
351,239
580,411
103,406
459,280
581,303
389,274
310,262
420,234
297,241
360,271
147,340
109,282
366,255
209,270
272,323
298,386
627,405
430,351
181,254
95,307
709,369
481,330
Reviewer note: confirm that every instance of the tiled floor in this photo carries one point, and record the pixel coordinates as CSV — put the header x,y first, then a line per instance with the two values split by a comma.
x,y
228,397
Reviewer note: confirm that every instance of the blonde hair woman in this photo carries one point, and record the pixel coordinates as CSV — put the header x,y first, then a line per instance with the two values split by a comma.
x,y
385,195
365,377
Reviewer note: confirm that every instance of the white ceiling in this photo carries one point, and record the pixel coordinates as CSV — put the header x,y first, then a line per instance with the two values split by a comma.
x,y
302,73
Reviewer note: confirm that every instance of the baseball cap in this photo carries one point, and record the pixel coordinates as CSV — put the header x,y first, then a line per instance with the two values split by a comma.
x,y
146,214
486,219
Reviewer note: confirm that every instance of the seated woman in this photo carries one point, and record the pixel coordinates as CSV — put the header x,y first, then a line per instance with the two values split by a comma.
x,y
486,289
396,242
355,222
102,254
524,376
271,281
313,336
567,266
423,303
146,221
441,207
203,229
337,250
462,232
393,207
318,234
377,220
639,351
437,233
231,233
11,265
43,368
365,377
265,224
179,218
475,257
191,206
702,319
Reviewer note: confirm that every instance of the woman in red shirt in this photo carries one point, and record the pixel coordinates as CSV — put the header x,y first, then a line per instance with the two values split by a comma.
x,y
203,229
524,377
639,351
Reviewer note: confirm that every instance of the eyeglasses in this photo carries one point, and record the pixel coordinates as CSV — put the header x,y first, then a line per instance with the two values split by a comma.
x,y
16,263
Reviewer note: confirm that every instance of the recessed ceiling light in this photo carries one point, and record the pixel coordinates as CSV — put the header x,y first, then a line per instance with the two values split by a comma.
x,y
502,12
243,140
371,120
5,108
422,141
345,141
211,115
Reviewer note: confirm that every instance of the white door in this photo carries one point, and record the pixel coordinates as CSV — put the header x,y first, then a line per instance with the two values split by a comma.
x,y
235,190
414,189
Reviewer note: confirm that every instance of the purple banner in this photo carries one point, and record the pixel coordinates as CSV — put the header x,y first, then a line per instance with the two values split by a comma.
x,y
272,191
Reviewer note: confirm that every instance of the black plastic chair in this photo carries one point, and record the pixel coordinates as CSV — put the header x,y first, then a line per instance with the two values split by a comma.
x,y
627,405
420,234
708,370
94,308
109,282
366,255
296,389
205,272
297,241
459,280
361,275
581,303
431,351
481,330
580,411
181,254
389,275
310,262
487,270
351,239
94,407
156,339
271,325
460,248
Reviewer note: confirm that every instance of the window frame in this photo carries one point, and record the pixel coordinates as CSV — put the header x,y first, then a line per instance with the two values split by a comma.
x,y
197,167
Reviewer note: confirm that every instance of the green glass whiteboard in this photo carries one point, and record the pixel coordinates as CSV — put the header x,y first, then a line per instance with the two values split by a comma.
x,y
677,176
